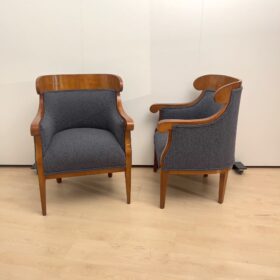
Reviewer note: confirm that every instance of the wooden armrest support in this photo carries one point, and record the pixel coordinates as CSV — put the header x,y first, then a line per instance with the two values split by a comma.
x,y
157,107
35,125
167,125
128,120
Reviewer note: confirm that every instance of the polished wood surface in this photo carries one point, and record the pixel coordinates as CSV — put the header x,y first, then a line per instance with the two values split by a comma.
x,y
164,175
128,120
206,82
90,233
158,106
213,81
79,82
40,172
222,96
223,87
84,173
163,187
128,163
35,125
222,185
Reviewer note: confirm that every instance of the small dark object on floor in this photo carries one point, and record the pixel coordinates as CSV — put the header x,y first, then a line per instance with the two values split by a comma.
x,y
239,167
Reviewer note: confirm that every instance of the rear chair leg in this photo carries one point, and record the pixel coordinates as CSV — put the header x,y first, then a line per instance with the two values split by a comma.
x,y
128,184
222,185
155,162
163,187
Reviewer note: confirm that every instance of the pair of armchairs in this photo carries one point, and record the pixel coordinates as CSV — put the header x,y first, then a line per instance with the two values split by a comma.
x,y
81,129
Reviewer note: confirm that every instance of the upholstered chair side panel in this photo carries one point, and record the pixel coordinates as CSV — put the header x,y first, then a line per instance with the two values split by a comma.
x,y
202,109
205,147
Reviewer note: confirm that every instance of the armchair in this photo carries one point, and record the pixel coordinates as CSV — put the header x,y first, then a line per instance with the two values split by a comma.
x,y
81,129
198,137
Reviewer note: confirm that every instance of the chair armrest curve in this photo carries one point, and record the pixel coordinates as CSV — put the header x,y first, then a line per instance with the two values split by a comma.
x,y
167,124
127,119
35,125
158,106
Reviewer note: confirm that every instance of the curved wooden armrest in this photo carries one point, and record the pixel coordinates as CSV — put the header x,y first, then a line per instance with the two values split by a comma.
x,y
167,124
128,120
158,106
35,125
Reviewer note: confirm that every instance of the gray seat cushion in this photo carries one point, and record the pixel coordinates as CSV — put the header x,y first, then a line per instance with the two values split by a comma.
x,y
81,149
160,142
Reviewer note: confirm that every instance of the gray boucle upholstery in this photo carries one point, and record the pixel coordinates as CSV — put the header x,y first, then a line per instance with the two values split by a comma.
x,y
81,149
80,109
201,147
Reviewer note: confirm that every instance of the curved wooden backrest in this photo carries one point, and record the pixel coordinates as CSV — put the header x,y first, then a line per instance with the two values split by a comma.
x,y
212,82
223,85
223,94
78,82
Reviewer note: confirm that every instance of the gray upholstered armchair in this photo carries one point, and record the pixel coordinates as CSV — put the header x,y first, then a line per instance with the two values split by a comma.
x,y
198,137
81,129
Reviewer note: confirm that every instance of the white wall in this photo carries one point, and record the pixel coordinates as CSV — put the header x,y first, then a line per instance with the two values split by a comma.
x,y
158,47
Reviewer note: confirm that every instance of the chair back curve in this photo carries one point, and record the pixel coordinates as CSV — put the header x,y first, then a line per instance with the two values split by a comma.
x,y
80,101
208,146
78,82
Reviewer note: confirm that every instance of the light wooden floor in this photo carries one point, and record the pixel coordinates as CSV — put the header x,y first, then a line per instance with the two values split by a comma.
x,y
91,233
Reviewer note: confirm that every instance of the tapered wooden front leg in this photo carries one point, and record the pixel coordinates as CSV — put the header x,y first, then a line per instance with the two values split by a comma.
x,y
128,163
58,180
128,184
163,187
222,185
42,186
41,175
110,175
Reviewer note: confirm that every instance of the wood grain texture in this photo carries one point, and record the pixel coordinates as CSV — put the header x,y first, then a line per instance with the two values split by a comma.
x,y
40,171
222,185
163,188
158,106
222,96
213,81
128,163
84,173
127,119
35,125
80,82
90,233
203,83
223,87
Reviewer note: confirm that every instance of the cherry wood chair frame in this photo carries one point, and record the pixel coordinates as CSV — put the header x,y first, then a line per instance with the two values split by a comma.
x,y
223,86
79,82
